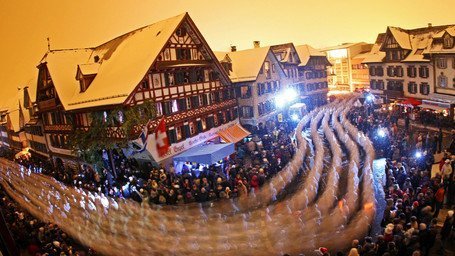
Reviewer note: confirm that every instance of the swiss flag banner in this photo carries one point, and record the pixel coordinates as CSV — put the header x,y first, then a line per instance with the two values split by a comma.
x,y
162,142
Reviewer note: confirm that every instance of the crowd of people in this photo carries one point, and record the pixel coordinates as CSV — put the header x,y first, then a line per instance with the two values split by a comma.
x,y
257,158
414,197
35,237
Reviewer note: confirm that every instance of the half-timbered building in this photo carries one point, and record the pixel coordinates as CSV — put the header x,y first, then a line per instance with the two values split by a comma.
x,y
407,63
168,63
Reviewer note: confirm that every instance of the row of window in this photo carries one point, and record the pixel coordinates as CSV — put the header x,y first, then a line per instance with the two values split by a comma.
x,y
315,74
179,53
193,102
423,87
397,71
269,87
59,141
302,87
54,118
192,128
359,66
398,86
181,77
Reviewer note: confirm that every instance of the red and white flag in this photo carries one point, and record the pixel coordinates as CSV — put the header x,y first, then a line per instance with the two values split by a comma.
x,y
162,142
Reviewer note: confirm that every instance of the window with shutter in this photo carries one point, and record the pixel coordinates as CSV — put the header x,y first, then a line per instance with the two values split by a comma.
x,y
372,70
372,84
379,71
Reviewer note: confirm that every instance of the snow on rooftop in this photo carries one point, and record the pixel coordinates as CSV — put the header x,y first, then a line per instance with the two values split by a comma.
x,y
245,63
122,63
305,52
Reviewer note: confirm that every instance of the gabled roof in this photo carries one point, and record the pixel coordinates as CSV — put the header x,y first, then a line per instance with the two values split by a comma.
x,y
401,36
437,46
375,55
450,30
246,63
122,63
16,111
305,52
287,48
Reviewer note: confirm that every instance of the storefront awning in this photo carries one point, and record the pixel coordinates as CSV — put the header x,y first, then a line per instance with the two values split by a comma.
x,y
410,102
434,107
206,154
234,133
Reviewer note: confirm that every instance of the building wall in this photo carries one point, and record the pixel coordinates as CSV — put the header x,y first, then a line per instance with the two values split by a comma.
x,y
447,72
405,79
263,91
340,71
360,76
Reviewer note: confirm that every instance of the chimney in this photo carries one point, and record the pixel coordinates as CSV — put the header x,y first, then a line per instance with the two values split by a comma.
x,y
257,44
430,25
233,48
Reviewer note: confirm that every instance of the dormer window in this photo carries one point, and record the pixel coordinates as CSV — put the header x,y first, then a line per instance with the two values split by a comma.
x,y
227,66
85,74
448,41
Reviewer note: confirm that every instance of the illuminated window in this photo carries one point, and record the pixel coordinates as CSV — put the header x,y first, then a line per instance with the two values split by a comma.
x,y
121,117
179,132
159,109
193,128
174,106
204,123
442,80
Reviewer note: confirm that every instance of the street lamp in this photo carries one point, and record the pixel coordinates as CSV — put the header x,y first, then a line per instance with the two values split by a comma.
x,y
286,97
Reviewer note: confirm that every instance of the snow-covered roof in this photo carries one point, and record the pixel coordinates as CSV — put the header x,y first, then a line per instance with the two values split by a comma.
x,y
450,30
245,63
437,46
419,41
402,37
305,52
122,63
14,107
89,69
375,55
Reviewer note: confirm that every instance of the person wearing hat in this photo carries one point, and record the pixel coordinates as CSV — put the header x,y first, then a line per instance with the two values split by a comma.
x,y
322,251
446,171
388,232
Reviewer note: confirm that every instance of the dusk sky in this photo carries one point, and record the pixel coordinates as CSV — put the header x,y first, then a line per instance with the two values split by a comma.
x,y
25,25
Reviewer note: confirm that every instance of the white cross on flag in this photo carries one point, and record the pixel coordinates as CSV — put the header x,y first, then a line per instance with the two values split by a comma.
x,y
162,143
